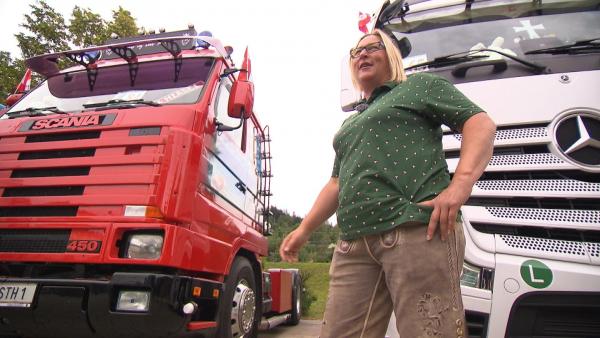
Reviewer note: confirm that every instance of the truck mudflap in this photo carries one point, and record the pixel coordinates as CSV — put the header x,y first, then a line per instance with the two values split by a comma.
x,y
91,308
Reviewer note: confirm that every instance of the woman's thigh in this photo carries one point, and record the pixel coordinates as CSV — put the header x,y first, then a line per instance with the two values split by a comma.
x,y
423,278
358,303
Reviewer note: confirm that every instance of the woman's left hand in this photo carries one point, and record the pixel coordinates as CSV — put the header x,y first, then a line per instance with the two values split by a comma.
x,y
445,208
475,153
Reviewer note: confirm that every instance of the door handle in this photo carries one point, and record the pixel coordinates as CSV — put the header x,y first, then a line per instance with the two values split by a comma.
x,y
241,187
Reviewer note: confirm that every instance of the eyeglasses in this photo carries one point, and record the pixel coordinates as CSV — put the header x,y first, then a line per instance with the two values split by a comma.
x,y
370,48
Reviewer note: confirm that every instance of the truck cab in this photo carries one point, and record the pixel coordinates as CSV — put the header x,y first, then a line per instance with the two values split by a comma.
x,y
532,224
134,196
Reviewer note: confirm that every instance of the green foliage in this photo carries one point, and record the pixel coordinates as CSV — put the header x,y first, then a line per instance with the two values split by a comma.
x,y
87,28
11,72
123,24
315,283
319,247
307,294
48,31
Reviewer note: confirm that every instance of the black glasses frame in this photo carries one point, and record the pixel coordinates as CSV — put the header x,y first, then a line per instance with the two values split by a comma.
x,y
370,48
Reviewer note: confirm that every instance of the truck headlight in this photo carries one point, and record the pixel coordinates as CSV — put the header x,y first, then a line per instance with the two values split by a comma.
x,y
476,277
143,245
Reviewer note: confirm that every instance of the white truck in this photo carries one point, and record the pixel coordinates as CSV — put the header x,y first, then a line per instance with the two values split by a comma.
x,y
532,224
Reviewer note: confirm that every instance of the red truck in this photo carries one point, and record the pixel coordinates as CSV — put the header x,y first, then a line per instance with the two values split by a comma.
x,y
134,196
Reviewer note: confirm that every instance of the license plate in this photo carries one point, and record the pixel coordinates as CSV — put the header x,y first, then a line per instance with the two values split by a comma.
x,y
17,294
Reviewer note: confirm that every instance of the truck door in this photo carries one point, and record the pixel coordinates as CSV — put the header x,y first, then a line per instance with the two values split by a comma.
x,y
231,174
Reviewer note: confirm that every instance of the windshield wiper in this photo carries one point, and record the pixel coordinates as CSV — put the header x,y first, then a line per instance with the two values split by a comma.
x,y
579,47
121,104
448,60
470,55
33,111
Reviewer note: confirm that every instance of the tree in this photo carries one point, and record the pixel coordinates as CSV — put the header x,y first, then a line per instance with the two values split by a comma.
x,y
87,28
48,31
11,72
318,249
122,24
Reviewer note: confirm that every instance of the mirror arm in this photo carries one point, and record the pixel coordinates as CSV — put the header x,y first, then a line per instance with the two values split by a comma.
x,y
222,127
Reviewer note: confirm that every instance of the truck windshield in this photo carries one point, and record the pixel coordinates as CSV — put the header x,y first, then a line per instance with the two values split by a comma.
x,y
512,27
155,82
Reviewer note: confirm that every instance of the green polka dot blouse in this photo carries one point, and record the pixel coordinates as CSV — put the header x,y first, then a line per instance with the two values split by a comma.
x,y
390,157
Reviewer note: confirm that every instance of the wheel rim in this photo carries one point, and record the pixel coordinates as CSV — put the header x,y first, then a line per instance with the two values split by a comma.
x,y
243,309
298,305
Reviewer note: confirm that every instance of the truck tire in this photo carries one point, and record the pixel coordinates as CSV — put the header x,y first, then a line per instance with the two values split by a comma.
x,y
296,313
238,315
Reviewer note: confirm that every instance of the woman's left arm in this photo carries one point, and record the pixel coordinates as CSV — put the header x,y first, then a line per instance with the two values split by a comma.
x,y
475,153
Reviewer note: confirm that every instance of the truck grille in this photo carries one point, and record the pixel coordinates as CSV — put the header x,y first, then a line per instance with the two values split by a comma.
x,y
36,241
533,200
538,185
554,314
476,324
38,155
44,191
577,216
37,211
511,133
50,174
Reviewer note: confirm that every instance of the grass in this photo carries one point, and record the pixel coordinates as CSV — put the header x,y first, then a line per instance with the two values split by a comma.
x,y
317,284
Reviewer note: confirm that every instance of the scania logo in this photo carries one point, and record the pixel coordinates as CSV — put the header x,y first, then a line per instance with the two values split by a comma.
x,y
68,122
576,138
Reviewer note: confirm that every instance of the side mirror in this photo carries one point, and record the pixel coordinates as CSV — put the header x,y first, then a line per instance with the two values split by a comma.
x,y
404,46
349,96
12,99
241,100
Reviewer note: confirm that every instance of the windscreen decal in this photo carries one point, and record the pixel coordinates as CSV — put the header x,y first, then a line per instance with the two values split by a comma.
x,y
179,93
530,29
130,95
410,61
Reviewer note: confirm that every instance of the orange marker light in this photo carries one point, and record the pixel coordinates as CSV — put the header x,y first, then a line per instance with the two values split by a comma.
x,y
216,293
197,291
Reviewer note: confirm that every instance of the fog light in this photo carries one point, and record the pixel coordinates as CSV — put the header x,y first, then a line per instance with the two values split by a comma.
x,y
136,301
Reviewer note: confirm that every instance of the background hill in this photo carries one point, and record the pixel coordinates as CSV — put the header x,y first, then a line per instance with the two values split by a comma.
x,y
318,249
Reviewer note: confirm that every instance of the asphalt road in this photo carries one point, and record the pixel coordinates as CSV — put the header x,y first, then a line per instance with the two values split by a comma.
x,y
310,329
306,329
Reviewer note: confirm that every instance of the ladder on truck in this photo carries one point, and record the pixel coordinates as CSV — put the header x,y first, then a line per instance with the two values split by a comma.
x,y
265,175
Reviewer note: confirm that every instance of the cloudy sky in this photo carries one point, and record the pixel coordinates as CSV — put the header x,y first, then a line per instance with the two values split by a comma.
x,y
296,49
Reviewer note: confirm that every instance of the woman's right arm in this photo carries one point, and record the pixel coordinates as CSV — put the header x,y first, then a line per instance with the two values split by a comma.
x,y
324,207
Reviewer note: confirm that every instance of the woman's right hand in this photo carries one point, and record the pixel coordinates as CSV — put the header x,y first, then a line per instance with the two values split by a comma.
x,y
291,245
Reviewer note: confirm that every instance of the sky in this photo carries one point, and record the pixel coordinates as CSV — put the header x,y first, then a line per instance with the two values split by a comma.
x,y
296,48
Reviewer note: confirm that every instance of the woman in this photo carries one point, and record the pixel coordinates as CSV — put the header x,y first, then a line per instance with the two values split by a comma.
x,y
391,190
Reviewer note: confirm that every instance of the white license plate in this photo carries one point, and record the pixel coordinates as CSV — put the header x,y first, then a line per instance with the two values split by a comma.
x,y
17,294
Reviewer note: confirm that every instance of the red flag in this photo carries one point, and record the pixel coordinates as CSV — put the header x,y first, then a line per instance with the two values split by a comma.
x,y
363,20
25,83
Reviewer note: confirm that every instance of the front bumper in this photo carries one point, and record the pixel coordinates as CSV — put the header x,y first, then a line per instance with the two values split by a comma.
x,y
87,308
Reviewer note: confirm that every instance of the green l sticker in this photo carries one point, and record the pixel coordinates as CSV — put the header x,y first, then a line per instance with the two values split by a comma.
x,y
536,274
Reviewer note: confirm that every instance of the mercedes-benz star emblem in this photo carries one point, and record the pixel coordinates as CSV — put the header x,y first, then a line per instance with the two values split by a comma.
x,y
576,138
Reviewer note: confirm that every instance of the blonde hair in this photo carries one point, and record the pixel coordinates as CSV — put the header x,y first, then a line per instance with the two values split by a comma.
x,y
394,57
